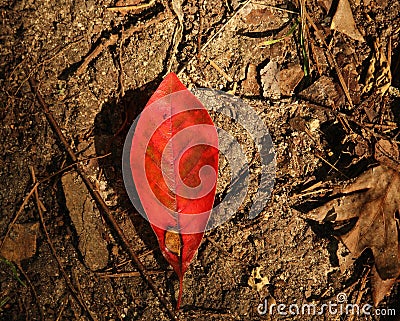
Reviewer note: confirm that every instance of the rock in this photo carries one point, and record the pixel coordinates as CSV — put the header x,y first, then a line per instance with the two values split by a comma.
x,y
269,81
87,222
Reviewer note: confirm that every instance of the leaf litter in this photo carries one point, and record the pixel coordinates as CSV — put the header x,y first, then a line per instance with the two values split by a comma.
x,y
231,53
372,199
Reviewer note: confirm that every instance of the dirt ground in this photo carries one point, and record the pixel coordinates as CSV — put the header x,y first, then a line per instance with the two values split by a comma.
x,y
96,68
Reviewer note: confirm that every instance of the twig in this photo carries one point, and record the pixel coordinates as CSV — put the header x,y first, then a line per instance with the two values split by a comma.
x,y
106,212
381,127
105,43
121,72
37,185
127,274
132,7
331,59
46,60
18,214
176,9
79,289
41,208
199,35
220,70
62,308
332,166
274,7
33,291
62,170
304,38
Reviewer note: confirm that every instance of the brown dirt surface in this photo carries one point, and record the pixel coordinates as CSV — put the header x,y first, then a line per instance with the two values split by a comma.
x,y
96,68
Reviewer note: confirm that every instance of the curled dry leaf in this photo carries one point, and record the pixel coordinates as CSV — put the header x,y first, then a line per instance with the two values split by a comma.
x,y
373,199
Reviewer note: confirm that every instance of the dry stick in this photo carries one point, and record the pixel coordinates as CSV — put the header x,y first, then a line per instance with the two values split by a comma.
x,y
331,59
303,37
33,190
34,68
79,289
127,274
176,10
18,214
41,208
348,118
131,7
105,43
107,213
64,169
200,6
62,308
220,70
33,291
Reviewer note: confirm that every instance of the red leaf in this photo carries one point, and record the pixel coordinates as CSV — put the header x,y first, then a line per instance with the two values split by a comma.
x,y
174,162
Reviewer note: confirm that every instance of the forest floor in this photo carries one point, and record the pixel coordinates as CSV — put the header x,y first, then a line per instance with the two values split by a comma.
x,y
328,96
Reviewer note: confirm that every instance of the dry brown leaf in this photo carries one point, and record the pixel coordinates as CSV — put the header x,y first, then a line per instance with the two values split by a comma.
x,y
379,74
387,153
21,243
259,18
343,21
324,91
373,198
380,287
289,78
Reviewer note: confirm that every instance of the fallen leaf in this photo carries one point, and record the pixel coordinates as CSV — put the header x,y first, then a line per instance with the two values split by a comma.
x,y
289,78
387,153
379,74
380,287
372,199
326,4
324,91
174,165
258,18
321,61
21,242
343,21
